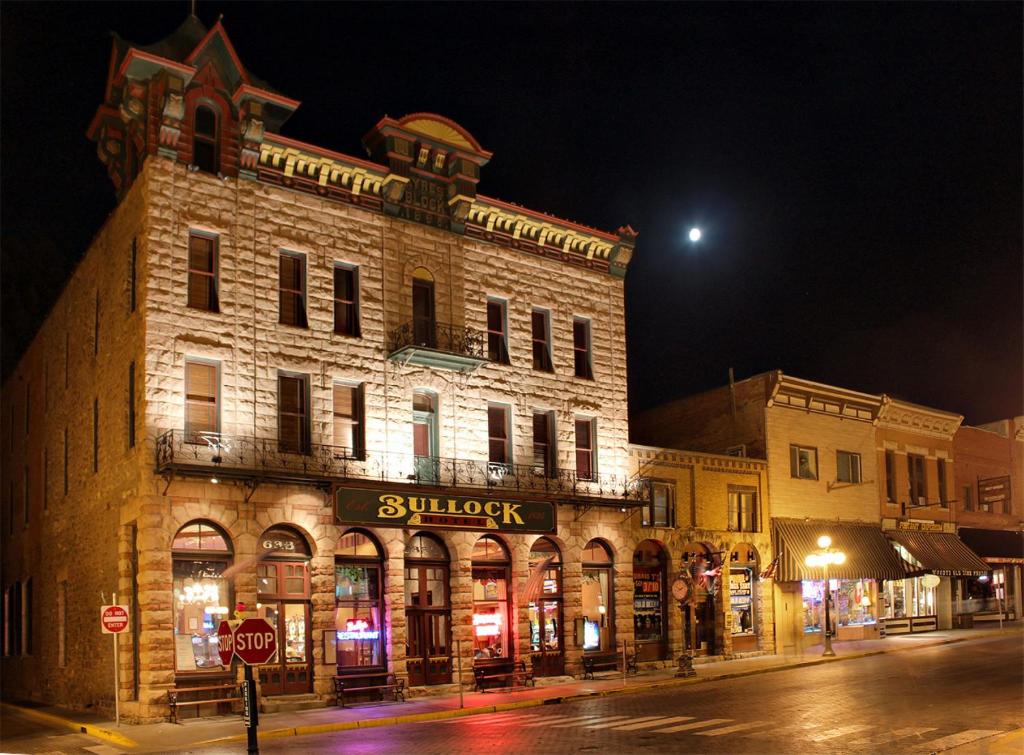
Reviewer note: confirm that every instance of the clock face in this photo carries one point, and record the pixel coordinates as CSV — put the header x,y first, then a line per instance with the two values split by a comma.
x,y
680,590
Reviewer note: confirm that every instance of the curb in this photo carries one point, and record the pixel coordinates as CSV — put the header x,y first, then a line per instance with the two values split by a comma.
x,y
79,728
297,731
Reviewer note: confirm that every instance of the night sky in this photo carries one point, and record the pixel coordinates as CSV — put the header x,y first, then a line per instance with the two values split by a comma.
x,y
856,168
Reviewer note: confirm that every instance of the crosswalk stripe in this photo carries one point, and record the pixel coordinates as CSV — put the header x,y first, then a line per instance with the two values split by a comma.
x,y
734,728
649,724
616,723
694,725
959,738
884,737
588,720
480,720
561,721
840,732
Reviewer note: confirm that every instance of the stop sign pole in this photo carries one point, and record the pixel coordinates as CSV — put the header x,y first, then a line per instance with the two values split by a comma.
x,y
253,641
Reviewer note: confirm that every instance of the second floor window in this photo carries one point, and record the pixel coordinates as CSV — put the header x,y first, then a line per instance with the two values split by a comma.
x,y
202,272
890,476
943,497
661,511
201,389
498,434
293,413
742,511
497,331
292,290
540,326
204,140
581,348
968,498
803,462
544,443
346,300
586,459
916,485
348,421
847,466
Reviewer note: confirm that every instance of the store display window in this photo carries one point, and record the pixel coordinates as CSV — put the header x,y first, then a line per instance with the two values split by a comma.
x,y
359,628
545,591
491,631
201,555
742,579
854,603
649,620
598,610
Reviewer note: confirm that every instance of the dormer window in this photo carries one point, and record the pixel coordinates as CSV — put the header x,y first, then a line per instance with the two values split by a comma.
x,y
204,140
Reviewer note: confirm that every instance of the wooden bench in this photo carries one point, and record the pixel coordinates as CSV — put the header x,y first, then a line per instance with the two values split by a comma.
x,y
383,683
229,692
608,662
501,674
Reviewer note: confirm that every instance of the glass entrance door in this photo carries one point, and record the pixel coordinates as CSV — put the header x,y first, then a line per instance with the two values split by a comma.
x,y
289,673
428,615
424,437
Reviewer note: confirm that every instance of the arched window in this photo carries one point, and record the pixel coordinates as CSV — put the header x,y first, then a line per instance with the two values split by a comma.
x,y
283,592
204,140
201,553
427,611
358,585
543,591
491,638
598,610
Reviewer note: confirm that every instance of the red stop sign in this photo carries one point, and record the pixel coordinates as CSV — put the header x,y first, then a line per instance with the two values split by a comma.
x,y
225,643
255,641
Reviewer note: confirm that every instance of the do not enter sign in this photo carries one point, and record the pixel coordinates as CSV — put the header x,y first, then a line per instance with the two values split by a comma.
x,y
255,641
113,619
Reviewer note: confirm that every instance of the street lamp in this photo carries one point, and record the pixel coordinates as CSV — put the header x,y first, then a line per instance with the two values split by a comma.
x,y
822,557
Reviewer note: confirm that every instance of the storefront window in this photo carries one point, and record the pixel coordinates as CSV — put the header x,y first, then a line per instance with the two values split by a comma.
x,y
742,576
201,595
359,629
648,592
490,600
909,597
598,615
545,591
854,603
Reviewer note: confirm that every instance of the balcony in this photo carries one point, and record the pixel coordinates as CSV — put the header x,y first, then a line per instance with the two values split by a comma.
x,y
443,346
256,460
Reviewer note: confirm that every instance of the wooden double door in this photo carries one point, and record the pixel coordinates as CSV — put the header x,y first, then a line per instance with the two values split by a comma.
x,y
428,619
283,594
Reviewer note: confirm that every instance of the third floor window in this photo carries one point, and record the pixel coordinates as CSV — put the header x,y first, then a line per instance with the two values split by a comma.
x,y
348,421
916,484
499,432
544,443
292,289
201,392
202,272
293,413
346,300
540,325
586,461
497,331
582,357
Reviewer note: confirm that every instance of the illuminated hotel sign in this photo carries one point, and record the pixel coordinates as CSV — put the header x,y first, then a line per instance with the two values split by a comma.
x,y
359,506
358,630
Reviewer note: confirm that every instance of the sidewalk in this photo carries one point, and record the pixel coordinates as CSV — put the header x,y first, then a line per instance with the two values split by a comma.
x,y
167,737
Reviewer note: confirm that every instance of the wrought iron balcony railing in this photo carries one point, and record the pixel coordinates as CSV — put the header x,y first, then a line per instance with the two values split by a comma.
x,y
434,344
224,456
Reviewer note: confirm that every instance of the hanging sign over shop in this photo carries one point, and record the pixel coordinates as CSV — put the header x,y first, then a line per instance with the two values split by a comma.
x,y
389,509
920,526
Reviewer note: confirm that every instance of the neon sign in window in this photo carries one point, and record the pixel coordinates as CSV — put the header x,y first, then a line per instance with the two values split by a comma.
x,y
487,624
358,629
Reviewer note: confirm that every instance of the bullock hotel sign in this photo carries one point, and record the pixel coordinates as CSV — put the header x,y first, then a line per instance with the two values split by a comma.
x,y
391,509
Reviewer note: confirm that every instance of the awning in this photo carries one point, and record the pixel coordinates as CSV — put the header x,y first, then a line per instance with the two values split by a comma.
x,y
869,555
941,553
995,546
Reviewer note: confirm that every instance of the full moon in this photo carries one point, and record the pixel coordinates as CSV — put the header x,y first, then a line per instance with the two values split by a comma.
x,y
695,234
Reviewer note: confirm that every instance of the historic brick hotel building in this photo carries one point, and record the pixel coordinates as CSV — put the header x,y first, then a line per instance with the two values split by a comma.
x,y
377,408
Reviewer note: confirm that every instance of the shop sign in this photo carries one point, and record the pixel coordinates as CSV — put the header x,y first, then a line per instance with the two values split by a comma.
x,y
358,629
487,624
994,493
920,526
373,507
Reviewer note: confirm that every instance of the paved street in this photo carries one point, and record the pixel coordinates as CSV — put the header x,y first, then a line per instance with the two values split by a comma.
x,y
930,700
21,734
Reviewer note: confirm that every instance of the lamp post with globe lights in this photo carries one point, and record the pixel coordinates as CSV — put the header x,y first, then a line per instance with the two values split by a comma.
x,y
825,556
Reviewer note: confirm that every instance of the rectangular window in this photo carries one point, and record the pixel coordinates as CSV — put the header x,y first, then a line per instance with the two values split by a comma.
x,y
586,458
95,435
202,272
131,405
661,512
917,485
65,460
540,327
890,476
96,327
497,331
847,466
346,300
62,624
581,348
348,421
742,511
943,496
292,289
293,413
968,498
544,444
803,462
131,275
498,434
202,387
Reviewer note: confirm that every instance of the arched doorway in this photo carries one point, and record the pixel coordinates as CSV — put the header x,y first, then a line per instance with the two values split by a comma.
x,y
598,608
201,554
650,620
700,620
282,595
492,635
743,572
543,592
358,614
428,611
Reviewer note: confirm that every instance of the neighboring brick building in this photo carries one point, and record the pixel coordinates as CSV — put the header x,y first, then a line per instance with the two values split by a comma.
x,y
989,488
377,408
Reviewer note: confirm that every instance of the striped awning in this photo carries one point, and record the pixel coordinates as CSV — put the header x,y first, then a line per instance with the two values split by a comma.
x,y
941,553
869,555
